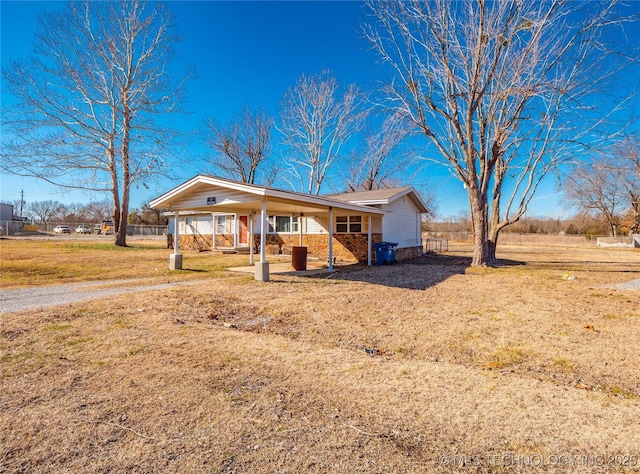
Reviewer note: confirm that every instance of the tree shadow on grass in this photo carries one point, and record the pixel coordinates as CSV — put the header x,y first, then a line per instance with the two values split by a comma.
x,y
416,274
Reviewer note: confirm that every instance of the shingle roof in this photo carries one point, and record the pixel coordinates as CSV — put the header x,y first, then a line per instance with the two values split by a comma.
x,y
379,196
373,195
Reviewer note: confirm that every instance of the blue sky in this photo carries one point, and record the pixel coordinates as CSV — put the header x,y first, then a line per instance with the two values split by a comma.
x,y
247,53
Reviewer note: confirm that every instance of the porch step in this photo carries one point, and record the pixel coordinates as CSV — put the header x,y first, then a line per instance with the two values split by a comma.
x,y
231,250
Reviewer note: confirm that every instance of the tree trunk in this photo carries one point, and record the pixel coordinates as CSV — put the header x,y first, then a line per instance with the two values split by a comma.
x,y
482,255
121,234
115,189
492,243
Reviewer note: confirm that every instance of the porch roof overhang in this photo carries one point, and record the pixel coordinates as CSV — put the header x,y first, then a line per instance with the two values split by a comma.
x,y
213,194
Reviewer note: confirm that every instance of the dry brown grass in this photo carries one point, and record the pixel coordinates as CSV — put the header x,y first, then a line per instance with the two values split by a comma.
x,y
385,369
27,262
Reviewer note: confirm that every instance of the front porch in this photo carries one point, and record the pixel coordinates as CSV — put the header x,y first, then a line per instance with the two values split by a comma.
x,y
253,205
346,247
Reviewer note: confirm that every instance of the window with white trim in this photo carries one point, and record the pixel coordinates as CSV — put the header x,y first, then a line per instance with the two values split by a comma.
x,y
187,223
284,224
223,224
349,225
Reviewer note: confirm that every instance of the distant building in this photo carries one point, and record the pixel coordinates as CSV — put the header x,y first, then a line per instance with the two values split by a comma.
x,y
6,212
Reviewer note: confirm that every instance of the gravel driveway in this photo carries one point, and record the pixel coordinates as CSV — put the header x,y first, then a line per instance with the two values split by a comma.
x,y
628,285
44,296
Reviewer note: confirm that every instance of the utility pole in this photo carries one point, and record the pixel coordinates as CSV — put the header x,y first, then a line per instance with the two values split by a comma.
x,y
21,201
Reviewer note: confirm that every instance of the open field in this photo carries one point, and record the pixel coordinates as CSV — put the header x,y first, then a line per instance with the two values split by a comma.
x,y
529,367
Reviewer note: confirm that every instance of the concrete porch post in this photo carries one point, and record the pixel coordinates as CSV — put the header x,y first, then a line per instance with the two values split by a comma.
x,y
262,268
175,259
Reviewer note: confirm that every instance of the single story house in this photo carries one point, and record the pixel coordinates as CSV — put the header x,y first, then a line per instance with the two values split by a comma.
x,y
216,213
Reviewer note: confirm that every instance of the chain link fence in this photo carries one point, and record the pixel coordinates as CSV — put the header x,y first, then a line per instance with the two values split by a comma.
x,y
509,238
16,228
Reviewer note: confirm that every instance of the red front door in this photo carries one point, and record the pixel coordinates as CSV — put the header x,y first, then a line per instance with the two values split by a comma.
x,y
244,223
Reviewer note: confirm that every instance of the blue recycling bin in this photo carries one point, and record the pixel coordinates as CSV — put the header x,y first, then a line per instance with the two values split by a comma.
x,y
381,252
385,252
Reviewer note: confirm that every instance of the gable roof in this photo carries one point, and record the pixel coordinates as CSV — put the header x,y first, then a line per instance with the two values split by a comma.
x,y
239,197
381,196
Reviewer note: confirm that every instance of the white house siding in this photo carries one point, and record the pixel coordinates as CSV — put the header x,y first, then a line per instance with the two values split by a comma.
x,y
317,225
402,223
204,224
223,196
200,224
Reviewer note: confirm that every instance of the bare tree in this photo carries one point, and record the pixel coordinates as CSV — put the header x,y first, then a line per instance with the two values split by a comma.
x,y
490,84
97,211
317,120
593,188
608,185
74,212
45,211
242,145
379,165
628,156
91,101
148,216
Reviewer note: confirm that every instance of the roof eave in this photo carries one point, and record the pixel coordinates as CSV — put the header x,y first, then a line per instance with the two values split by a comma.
x,y
165,199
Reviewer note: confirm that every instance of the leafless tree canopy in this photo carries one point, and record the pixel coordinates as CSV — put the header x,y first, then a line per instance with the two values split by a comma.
x,y
44,211
317,120
381,164
91,100
490,85
628,153
608,185
593,188
242,146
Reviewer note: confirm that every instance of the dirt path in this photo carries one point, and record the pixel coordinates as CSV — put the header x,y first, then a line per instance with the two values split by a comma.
x,y
45,296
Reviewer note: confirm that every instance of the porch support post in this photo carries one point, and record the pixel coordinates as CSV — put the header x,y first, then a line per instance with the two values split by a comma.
x,y
300,230
330,239
213,234
251,217
262,269
263,232
235,231
369,243
175,259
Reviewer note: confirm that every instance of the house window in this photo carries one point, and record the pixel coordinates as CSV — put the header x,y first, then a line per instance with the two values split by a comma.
x,y
223,224
349,224
186,224
284,224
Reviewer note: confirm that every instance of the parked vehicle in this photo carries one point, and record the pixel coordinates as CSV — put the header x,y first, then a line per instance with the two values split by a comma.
x,y
83,229
62,229
106,228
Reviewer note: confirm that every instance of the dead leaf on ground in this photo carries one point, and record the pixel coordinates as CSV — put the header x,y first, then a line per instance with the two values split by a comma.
x,y
491,366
